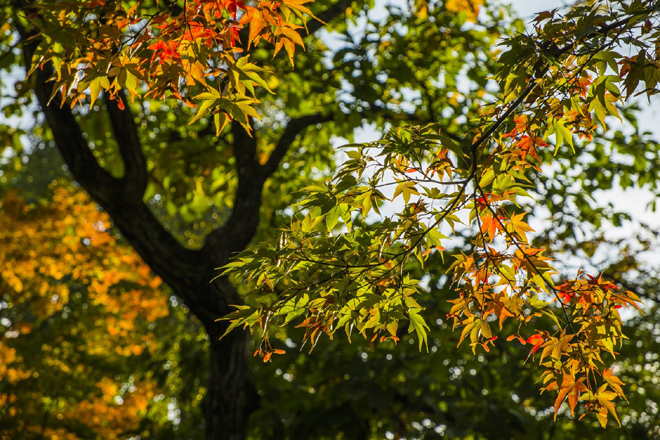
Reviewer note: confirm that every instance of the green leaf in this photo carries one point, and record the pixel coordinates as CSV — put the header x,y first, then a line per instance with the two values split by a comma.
x,y
203,109
487,178
332,217
562,134
420,327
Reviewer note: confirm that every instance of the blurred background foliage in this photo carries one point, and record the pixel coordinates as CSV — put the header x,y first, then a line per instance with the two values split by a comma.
x,y
92,345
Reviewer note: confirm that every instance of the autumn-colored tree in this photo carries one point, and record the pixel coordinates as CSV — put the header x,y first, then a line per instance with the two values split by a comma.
x,y
188,197
62,366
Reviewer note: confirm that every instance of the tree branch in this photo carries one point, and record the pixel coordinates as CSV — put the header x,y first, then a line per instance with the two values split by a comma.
x,y
130,148
242,224
66,132
244,149
293,129
160,250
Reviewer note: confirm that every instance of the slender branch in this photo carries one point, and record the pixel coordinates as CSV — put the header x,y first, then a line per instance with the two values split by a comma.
x,y
293,129
328,15
410,118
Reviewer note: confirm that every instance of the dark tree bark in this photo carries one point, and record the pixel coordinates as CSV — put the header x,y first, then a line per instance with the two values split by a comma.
x,y
230,397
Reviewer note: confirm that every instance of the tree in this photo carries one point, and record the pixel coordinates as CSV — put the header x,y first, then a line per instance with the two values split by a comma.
x,y
185,168
230,397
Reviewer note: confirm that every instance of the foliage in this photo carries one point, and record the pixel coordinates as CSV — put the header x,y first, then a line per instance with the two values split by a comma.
x,y
107,46
338,270
366,389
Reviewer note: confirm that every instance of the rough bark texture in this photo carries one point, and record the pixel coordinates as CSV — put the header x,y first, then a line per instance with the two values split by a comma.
x,y
230,397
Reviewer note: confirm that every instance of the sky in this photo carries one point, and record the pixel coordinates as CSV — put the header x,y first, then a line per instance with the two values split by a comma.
x,y
527,8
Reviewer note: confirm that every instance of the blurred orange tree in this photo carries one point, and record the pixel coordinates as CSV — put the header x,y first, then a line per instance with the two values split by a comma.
x,y
78,311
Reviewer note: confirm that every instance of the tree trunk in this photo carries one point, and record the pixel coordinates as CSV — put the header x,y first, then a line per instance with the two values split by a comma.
x,y
230,397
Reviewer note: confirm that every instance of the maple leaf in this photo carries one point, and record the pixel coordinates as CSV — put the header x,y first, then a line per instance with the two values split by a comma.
x,y
565,292
571,388
521,122
537,340
165,51
299,10
613,381
233,5
605,399
519,226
